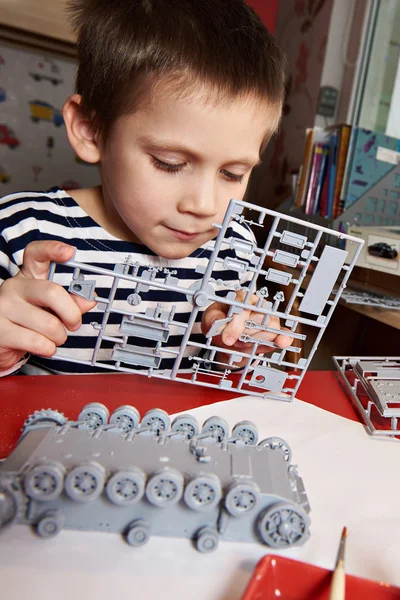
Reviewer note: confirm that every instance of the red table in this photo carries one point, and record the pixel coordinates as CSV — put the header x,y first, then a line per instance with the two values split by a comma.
x,y
21,395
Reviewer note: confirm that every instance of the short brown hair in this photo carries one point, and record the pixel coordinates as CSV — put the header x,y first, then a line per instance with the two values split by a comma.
x,y
125,45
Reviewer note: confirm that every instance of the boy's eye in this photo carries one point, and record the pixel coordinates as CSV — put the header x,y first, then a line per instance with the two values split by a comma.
x,y
169,167
232,176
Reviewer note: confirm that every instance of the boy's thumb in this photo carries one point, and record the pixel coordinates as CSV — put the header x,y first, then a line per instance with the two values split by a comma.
x,y
38,255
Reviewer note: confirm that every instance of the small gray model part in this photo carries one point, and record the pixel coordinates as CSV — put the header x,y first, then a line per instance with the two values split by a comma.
x,y
83,288
278,277
285,258
293,239
242,246
137,355
268,378
210,486
117,323
374,386
322,281
138,327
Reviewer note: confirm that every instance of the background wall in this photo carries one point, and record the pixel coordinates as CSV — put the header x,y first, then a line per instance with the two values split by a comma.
x,y
34,150
302,31
267,10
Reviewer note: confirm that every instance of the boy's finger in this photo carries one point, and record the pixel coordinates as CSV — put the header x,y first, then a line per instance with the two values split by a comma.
x,y
38,255
83,305
15,337
48,294
211,314
38,320
235,328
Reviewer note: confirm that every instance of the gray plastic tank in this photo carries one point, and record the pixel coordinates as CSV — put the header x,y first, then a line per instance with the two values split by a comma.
x,y
142,477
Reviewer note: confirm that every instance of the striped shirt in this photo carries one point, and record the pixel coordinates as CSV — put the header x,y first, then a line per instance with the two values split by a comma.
x,y
54,215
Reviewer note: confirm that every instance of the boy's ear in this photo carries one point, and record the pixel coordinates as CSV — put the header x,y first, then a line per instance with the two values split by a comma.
x,y
80,130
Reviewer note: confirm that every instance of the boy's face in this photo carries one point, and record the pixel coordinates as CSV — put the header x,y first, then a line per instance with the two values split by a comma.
x,y
170,168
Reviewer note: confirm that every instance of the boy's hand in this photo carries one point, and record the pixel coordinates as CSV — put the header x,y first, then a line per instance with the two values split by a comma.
x,y
229,336
34,312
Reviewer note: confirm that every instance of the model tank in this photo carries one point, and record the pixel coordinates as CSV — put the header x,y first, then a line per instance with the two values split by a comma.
x,y
142,477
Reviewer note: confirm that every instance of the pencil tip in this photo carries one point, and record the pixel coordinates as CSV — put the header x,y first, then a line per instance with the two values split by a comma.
x,y
344,532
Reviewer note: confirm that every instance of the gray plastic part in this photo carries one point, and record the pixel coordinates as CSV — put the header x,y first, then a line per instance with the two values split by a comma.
x,y
117,323
374,386
137,533
278,277
242,246
136,355
242,498
293,239
268,378
203,492
126,486
281,524
83,288
142,328
125,418
50,524
286,258
158,482
186,424
323,280
93,415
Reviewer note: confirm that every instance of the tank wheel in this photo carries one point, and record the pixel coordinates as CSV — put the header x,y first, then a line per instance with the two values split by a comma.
x,y
203,492
44,481
125,418
93,415
137,533
277,443
165,488
245,432
85,482
50,524
242,498
8,507
46,416
187,424
207,540
126,487
283,525
156,420
216,426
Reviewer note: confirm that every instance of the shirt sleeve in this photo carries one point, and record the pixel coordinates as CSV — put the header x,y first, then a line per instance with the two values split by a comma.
x,y
8,266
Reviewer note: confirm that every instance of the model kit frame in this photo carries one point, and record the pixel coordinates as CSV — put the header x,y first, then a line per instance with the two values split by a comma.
x,y
374,385
294,255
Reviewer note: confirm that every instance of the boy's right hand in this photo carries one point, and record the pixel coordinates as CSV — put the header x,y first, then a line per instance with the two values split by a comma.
x,y
35,312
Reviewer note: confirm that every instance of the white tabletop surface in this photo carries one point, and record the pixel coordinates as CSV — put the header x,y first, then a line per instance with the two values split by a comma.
x,y
350,478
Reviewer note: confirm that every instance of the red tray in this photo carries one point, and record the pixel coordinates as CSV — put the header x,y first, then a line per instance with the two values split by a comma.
x,y
277,577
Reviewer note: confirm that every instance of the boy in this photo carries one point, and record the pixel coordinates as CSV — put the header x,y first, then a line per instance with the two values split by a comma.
x,y
175,100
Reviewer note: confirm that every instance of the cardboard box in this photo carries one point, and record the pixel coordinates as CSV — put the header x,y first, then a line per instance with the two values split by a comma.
x,y
381,250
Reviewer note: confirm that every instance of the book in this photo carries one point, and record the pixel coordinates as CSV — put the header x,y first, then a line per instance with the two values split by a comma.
x,y
314,175
313,136
305,169
333,142
321,178
343,146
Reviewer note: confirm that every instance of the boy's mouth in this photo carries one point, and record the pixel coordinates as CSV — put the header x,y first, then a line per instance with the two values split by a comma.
x,y
183,235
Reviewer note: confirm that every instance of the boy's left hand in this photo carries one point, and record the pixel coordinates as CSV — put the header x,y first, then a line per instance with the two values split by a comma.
x,y
229,336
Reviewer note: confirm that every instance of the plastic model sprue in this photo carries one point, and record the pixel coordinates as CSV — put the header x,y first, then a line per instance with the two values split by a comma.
x,y
307,264
138,478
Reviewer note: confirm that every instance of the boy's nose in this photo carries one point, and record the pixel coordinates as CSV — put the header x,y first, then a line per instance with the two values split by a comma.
x,y
201,200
